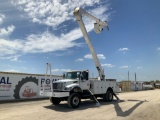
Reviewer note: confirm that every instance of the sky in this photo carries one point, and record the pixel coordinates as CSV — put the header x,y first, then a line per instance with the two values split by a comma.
x,y
36,32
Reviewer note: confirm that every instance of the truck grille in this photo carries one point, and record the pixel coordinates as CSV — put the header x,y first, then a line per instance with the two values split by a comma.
x,y
57,86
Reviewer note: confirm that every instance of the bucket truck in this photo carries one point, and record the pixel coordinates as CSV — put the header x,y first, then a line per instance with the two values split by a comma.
x,y
76,84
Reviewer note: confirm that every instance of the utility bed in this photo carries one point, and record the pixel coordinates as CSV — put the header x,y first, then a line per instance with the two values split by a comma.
x,y
100,87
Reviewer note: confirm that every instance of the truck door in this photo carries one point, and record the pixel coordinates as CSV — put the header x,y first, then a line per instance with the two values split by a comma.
x,y
84,82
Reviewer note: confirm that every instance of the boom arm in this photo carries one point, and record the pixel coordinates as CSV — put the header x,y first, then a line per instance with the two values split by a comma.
x,y
78,14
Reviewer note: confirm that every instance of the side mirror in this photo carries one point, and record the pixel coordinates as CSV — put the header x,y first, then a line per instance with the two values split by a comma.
x,y
64,75
81,76
78,75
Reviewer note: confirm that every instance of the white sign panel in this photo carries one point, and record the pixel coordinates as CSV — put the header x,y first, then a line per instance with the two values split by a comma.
x,y
21,86
136,85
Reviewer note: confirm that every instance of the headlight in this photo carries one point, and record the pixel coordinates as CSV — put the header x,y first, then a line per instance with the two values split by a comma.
x,y
67,88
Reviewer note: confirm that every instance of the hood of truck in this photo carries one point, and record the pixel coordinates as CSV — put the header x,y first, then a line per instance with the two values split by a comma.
x,y
65,84
66,80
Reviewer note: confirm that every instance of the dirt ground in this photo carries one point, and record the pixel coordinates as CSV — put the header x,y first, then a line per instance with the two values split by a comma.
x,y
142,105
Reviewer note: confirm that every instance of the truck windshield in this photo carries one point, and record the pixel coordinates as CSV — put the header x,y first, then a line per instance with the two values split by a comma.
x,y
83,75
70,75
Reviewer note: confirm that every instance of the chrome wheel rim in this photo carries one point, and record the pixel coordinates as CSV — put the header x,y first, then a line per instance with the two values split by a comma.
x,y
75,100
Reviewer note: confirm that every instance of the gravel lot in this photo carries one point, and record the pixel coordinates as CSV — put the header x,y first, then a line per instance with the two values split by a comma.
x,y
142,105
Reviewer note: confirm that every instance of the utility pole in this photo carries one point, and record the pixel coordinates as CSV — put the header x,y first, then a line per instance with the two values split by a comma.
x,y
128,75
135,81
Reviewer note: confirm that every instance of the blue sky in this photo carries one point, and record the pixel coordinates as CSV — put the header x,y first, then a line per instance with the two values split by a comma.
x,y
33,33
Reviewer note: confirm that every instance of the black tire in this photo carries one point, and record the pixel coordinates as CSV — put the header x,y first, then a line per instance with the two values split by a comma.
x,y
21,83
108,96
54,100
74,100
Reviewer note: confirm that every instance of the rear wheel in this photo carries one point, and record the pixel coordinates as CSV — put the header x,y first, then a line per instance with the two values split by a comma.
x,y
108,96
74,100
54,100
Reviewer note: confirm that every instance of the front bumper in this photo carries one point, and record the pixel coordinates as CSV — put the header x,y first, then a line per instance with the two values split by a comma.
x,y
54,94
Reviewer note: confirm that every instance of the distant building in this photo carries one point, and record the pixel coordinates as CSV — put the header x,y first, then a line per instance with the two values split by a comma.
x,y
128,85
157,85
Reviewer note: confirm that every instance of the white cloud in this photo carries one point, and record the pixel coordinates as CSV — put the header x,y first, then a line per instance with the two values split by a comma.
x,y
62,70
9,47
100,12
107,65
47,42
100,56
51,13
6,31
123,67
14,58
63,53
139,67
88,56
1,18
158,49
79,60
36,43
11,70
123,49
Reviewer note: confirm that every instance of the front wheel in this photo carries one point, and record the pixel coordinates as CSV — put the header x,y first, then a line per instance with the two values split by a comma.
x,y
108,96
74,100
54,100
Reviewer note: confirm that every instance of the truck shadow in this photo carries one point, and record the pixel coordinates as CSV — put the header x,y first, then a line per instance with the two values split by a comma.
x,y
122,113
65,108
88,104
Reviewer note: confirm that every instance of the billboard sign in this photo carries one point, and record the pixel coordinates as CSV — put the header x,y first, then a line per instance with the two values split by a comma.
x,y
22,86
